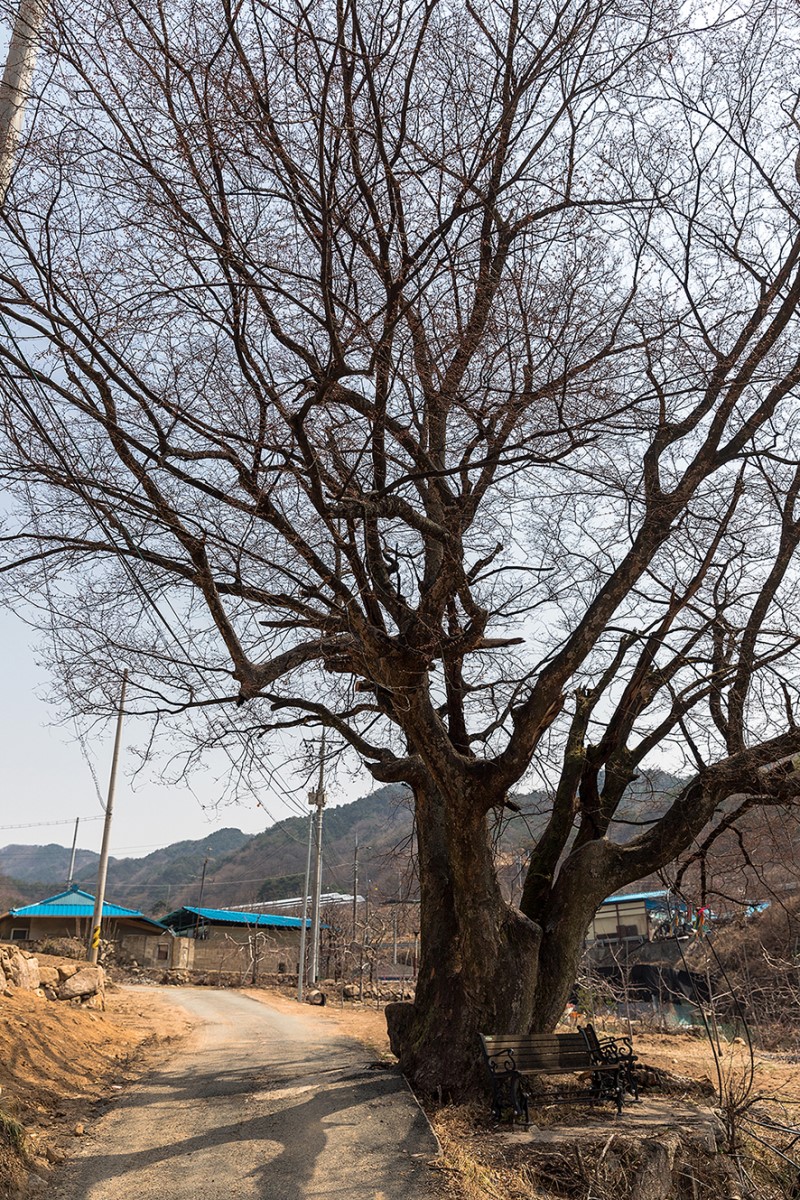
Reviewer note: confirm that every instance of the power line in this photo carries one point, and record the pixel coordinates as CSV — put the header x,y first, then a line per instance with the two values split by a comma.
x,y
43,824
139,586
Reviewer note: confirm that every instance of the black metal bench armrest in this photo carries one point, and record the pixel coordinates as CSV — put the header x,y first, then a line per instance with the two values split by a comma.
x,y
621,1046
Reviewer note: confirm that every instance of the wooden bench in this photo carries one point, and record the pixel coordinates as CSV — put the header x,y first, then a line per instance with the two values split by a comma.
x,y
511,1058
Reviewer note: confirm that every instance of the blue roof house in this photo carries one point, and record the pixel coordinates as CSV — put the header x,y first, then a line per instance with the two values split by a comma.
x,y
69,914
228,941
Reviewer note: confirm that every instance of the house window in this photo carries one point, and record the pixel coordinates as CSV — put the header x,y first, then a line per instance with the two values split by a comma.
x,y
162,953
20,933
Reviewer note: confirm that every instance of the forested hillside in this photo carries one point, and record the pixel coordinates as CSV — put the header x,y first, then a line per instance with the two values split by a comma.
x,y
241,868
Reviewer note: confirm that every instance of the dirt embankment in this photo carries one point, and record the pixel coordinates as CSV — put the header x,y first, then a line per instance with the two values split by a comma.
x,y
60,1065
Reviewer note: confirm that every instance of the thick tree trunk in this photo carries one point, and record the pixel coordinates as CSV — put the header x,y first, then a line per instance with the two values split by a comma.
x,y
583,882
485,967
479,961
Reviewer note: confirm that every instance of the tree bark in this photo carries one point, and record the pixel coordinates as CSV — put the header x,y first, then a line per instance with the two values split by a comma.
x,y
479,961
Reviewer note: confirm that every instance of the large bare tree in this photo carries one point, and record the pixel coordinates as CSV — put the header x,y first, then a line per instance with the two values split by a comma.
x,y
433,365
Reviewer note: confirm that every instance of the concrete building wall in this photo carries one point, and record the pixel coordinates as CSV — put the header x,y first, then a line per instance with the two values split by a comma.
x,y
33,929
237,948
171,953
616,922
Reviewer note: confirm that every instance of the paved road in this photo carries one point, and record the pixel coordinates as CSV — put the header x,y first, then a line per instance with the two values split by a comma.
x,y
259,1105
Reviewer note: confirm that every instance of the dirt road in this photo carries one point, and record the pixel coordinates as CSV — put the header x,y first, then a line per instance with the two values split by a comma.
x,y
258,1105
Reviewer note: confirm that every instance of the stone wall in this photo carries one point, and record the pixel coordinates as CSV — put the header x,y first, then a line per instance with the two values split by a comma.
x,y
18,969
50,977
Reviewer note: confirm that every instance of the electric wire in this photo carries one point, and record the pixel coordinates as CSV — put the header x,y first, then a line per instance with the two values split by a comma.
x,y
42,824
139,586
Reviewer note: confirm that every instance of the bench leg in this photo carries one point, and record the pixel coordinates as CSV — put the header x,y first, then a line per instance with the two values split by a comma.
x,y
519,1100
631,1084
508,1092
497,1099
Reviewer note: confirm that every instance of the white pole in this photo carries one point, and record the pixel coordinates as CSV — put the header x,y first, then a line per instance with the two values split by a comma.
x,y
315,910
301,968
319,801
355,890
72,856
16,82
94,940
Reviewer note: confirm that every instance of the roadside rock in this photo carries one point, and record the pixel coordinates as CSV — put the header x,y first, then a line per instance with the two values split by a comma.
x,y
87,981
18,968
49,977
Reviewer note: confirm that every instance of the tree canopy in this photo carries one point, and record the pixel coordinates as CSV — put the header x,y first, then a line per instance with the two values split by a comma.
x,y
433,365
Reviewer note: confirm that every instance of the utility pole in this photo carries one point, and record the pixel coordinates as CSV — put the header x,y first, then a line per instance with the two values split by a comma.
x,y
301,968
72,856
200,899
355,891
317,798
94,940
394,919
16,82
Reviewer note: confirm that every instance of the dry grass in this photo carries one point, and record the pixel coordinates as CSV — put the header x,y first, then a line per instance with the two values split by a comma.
x,y
12,1133
472,1166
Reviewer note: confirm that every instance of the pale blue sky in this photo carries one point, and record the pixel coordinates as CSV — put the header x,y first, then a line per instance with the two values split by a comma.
x,y
44,776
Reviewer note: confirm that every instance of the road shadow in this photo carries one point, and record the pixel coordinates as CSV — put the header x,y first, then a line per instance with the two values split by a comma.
x,y
361,1121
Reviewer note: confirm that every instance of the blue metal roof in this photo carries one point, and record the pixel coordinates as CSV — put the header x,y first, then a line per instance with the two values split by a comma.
x,y
636,896
77,903
229,917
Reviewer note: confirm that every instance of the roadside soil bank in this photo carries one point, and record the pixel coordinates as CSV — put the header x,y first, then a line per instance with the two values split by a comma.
x,y
60,1065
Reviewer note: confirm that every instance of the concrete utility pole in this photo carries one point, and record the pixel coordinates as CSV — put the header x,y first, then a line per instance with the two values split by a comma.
x,y
317,798
394,918
102,871
301,967
72,856
355,891
16,82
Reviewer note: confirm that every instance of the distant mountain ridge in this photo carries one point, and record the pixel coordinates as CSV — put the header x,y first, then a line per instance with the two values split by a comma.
x,y
246,868
33,863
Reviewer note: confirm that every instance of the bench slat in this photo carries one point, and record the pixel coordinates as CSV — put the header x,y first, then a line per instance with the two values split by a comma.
x,y
533,1039
510,1057
546,1053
